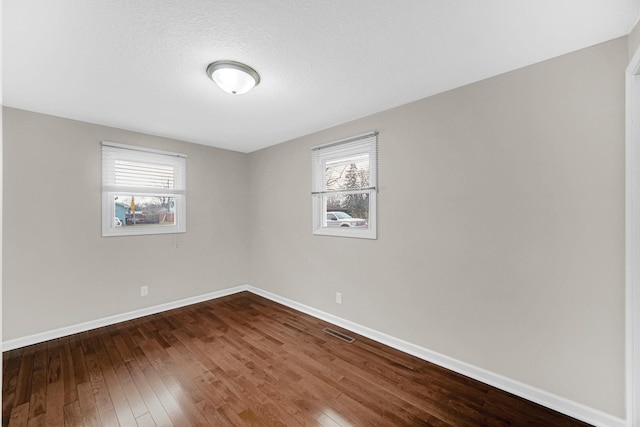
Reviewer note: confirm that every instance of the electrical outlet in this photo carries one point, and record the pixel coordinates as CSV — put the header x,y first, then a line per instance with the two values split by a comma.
x,y
144,291
339,297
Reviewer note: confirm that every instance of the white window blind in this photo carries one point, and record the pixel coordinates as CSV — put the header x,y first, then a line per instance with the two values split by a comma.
x,y
344,187
135,174
143,190
132,169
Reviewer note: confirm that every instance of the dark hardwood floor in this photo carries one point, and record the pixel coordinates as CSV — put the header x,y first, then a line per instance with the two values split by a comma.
x,y
243,360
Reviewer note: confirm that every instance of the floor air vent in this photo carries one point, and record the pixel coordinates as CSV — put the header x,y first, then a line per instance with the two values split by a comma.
x,y
340,335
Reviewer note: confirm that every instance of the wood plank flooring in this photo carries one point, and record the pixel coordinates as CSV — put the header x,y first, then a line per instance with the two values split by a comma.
x,y
243,360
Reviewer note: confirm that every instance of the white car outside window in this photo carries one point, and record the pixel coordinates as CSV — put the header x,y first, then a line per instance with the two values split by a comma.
x,y
342,219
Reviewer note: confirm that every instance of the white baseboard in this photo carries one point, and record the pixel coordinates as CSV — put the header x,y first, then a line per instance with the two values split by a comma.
x,y
110,320
549,400
544,398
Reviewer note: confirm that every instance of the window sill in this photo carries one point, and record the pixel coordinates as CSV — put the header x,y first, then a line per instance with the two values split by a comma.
x,y
369,233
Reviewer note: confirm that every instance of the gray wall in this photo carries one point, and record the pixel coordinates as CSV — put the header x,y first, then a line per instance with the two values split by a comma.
x,y
501,226
59,271
634,40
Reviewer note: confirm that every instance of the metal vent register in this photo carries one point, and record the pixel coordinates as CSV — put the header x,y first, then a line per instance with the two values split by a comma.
x,y
339,335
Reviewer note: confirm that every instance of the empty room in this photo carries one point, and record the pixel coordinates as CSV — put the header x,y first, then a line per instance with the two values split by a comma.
x,y
341,213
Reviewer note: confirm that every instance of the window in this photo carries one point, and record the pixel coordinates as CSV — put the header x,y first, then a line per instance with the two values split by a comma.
x,y
143,191
344,187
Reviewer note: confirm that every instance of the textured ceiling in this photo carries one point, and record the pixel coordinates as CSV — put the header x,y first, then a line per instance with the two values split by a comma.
x,y
140,65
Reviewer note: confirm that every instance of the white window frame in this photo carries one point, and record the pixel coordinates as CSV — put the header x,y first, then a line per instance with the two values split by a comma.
x,y
366,143
111,152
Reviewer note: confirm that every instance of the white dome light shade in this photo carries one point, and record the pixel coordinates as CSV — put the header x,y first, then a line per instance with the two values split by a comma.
x,y
233,77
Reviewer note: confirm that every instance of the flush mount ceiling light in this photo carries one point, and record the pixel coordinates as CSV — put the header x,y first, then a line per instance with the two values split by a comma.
x,y
233,77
